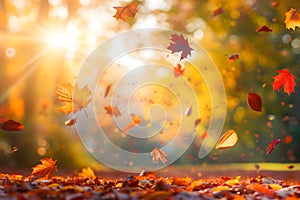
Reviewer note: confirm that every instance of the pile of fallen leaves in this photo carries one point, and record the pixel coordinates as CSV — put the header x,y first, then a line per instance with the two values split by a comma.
x,y
144,186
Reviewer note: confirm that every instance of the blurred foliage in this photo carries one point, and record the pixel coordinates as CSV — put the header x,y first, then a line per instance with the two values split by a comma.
x,y
31,68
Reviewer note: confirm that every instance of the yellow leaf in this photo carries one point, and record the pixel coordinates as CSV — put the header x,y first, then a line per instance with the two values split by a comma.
x,y
80,100
87,173
275,186
232,182
292,19
229,139
220,188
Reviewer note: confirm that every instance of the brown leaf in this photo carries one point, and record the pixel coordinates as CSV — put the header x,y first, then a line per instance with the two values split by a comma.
x,y
126,11
233,57
107,90
254,102
229,139
218,11
73,103
158,154
45,169
11,125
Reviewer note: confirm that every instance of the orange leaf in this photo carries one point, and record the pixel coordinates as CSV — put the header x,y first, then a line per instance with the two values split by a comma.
x,y
135,120
158,154
292,19
229,139
233,57
178,71
112,110
126,11
75,103
272,145
44,169
11,125
180,44
263,28
284,79
254,102
87,173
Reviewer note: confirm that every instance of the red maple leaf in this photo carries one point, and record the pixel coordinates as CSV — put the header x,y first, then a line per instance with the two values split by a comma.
x,y
180,44
178,71
284,79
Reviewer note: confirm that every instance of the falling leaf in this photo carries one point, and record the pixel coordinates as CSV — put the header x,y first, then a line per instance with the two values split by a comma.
x,y
126,11
87,173
218,11
197,122
158,154
254,102
11,125
275,4
178,71
272,145
284,79
45,169
70,122
180,44
112,110
135,120
292,19
229,139
263,28
188,111
204,135
233,57
73,103
107,90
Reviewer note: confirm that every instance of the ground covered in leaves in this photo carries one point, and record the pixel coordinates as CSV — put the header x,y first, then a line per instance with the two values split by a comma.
x,y
147,185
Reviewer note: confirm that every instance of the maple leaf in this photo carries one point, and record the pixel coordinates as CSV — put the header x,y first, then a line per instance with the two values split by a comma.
x,y
75,103
158,154
11,125
272,145
233,57
254,102
87,173
126,11
292,19
228,139
284,79
178,71
45,169
263,28
180,44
